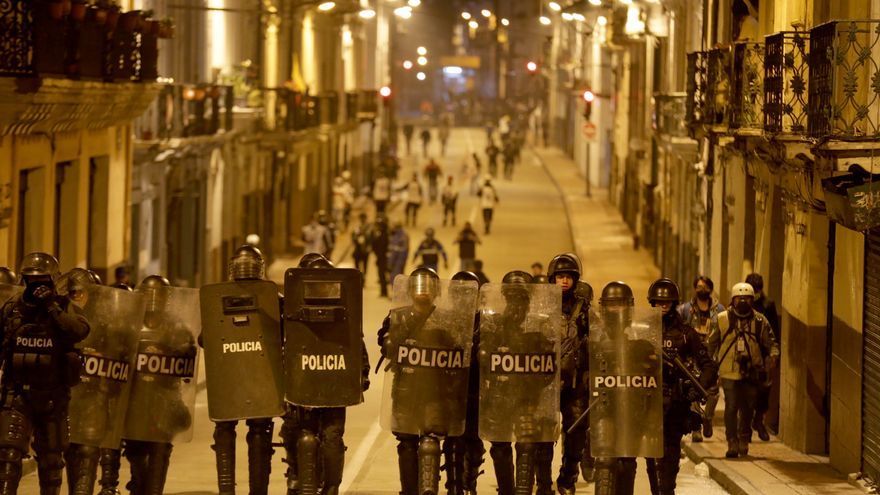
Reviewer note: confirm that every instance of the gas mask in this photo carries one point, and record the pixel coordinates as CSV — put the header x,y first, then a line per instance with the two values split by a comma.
x,y
39,289
704,295
742,308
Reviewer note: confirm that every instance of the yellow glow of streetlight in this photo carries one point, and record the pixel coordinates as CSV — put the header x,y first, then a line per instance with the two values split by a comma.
x,y
421,76
466,16
407,64
422,50
326,6
414,3
578,17
423,61
544,20
403,12
566,16
626,2
505,22
555,6
385,91
473,24
596,2
486,13
367,14
601,20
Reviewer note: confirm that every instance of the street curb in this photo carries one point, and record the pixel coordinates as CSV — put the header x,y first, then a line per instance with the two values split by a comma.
x,y
562,194
729,479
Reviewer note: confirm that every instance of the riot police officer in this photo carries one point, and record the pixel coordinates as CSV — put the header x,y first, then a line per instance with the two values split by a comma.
x,y
40,365
565,271
681,344
464,454
158,411
626,419
247,265
319,431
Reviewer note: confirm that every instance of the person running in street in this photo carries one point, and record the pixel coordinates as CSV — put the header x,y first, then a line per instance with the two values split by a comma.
x,y
467,241
413,190
443,132
430,250
316,237
492,153
433,173
449,197
488,200
398,250
360,242
425,136
380,240
509,157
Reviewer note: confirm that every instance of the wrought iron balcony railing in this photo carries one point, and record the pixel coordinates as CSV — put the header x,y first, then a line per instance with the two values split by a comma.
x,y
669,114
188,111
36,39
695,103
718,87
844,89
747,98
786,76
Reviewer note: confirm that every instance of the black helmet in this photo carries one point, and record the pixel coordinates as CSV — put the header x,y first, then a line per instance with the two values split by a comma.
x,y
122,286
321,262
39,264
96,279
617,293
77,279
155,289
517,277
540,279
247,263
8,276
663,290
424,281
308,258
466,276
564,263
584,291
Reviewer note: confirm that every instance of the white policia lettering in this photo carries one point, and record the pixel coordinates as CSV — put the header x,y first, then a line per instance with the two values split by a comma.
x,y
523,363
323,362
166,365
430,358
41,342
242,347
105,368
625,382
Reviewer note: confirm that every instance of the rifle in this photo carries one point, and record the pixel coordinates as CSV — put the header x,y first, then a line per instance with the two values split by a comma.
x,y
676,362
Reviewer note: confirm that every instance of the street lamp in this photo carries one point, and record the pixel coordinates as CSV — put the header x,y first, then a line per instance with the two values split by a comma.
x,y
473,24
423,61
544,20
567,16
407,64
466,16
578,17
326,6
555,6
422,50
504,21
421,76
486,13
403,12
596,2
367,14
601,20
532,66
385,91
414,3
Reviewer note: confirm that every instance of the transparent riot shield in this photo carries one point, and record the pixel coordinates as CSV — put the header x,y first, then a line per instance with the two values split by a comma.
x,y
98,404
163,392
241,332
520,328
323,336
428,350
626,388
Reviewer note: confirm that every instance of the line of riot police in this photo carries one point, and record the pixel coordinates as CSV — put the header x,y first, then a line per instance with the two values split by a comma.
x,y
521,362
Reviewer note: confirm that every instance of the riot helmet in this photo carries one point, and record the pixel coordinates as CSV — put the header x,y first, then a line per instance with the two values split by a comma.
x,y
617,294
424,285
540,279
663,290
466,276
155,291
8,276
564,263
456,291
515,289
122,286
39,272
321,262
742,295
617,306
74,283
308,258
96,279
247,263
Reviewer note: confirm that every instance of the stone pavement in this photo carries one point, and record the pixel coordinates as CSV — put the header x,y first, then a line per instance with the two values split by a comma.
x,y
771,468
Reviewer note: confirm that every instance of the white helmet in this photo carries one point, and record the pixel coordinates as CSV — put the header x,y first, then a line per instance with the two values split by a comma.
x,y
743,289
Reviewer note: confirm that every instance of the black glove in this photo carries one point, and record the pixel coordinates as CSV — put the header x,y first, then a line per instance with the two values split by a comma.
x,y
692,394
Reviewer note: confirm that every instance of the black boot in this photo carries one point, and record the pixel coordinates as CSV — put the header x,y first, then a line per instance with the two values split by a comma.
x,y
157,467
473,460
224,451
429,465
453,457
307,459
259,440
525,468
624,483
502,459
83,470
605,474
10,470
544,469
408,463
50,472
289,435
138,458
110,465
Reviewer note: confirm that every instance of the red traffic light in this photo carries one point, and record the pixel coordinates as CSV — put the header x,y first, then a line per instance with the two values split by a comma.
x,y
589,96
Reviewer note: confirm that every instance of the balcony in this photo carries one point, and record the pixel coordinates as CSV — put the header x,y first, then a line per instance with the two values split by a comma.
x,y
38,40
786,76
844,75
669,115
695,100
718,88
747,98
185,111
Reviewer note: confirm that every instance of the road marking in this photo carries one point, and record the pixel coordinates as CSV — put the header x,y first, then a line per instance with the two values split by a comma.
x,y
354,466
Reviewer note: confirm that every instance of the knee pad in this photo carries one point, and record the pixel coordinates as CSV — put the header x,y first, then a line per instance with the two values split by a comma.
x,y
15,430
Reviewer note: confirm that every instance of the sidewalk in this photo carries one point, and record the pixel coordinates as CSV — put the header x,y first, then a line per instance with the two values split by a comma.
x,y
772,467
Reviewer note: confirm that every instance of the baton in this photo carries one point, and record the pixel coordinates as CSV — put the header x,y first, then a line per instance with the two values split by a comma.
x,y
582,417
676,361
378,365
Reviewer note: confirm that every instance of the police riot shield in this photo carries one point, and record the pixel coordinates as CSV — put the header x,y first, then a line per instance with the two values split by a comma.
x,y
428,348
323,337
626,389
8,291
98,404
241,333
163,391
520,328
